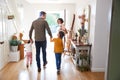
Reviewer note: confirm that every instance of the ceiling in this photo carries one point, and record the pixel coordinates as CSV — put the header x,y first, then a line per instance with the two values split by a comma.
x,y
52,1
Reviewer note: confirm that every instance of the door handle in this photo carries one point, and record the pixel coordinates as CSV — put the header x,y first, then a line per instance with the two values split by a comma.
x,y
2,42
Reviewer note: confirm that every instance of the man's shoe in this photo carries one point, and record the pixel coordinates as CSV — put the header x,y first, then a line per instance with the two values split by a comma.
x,y
58,72
39,69
45,64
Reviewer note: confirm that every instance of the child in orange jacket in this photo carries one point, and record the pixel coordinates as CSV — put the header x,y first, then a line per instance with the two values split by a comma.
x,y
58,49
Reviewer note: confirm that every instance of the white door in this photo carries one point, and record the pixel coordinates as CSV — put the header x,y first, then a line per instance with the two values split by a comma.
x,y
3,39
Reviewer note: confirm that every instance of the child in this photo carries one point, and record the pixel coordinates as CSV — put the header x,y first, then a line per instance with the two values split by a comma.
x,y
28,49
58,49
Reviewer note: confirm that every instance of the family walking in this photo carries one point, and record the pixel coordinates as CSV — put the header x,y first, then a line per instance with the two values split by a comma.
x,y
40,26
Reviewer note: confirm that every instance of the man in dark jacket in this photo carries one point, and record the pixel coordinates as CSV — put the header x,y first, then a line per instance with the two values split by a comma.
x,y
40,26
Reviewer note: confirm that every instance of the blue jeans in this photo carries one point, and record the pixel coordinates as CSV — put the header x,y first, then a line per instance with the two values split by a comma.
x,y
40,44
58,60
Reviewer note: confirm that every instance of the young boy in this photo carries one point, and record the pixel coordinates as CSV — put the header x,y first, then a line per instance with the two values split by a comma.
x,y
58,49
28,49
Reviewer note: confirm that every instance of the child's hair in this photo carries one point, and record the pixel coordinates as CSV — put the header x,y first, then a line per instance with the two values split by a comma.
x,y
61,33
28,41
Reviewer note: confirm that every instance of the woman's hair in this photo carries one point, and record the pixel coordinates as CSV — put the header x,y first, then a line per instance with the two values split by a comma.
x,y
61,20
61,33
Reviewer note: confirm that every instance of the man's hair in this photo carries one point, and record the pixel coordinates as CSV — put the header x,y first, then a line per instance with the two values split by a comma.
x,y
42,13
61,33
61,20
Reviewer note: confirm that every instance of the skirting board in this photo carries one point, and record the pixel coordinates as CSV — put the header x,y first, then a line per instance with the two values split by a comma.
x,y
98,69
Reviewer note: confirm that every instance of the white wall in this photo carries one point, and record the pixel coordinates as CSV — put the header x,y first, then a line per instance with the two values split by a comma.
x,y
31,13
101,35
80,5
13,10
8,7
99,31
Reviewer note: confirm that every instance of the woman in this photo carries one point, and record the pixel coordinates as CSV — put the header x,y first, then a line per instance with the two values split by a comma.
x,y
62,28
61,25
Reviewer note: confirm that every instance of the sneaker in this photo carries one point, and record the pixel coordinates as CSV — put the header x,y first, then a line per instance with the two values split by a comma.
x,y
39,69
27,65
45,64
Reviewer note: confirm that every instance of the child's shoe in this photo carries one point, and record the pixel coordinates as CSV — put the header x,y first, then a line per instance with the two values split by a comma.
x,y
27,65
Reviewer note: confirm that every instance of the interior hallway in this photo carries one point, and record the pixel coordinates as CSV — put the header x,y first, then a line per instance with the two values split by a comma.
x,y
18,70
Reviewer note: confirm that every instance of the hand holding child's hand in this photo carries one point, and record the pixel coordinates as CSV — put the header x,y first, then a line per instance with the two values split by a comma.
x,y
50,39
31,40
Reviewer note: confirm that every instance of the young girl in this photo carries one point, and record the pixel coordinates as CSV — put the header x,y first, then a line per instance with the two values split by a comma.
x,y
58,49
28,49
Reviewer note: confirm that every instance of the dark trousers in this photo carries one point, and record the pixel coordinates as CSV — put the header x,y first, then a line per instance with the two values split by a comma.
x,y
58,60
40,44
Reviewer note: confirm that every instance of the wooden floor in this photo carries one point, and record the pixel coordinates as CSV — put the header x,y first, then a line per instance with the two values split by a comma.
x,y
18,70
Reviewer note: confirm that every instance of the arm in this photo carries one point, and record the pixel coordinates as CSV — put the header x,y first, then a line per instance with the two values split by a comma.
x,y
64,29
52,39
48,29
30,33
